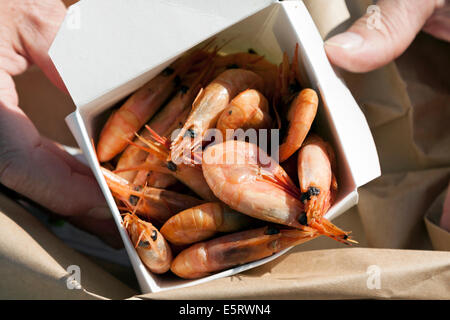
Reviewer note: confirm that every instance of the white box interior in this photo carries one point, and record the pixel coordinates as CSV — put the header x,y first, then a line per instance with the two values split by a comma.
x,y
270,31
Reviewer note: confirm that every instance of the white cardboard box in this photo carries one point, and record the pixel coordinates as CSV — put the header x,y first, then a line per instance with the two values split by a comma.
x,y
106,49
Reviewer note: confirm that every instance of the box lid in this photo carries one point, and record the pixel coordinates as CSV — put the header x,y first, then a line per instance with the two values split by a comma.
x,y
158,30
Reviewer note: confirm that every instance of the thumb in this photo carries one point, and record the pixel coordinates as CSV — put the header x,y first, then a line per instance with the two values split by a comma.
x,y
39,169
42,20
381,35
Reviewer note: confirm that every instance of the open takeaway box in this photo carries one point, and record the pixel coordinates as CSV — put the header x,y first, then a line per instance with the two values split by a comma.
x,y
106,49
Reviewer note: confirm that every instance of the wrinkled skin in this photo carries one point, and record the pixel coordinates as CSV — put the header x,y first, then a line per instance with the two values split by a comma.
x,y
30,164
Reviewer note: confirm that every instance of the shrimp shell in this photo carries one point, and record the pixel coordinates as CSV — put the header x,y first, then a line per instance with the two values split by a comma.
x,y
140,107
249,109
150,245
301,116
202,222
172,116
157,205
209,105
231,250
242,176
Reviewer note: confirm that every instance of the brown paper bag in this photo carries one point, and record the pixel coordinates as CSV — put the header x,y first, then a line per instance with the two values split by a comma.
x,y
407,106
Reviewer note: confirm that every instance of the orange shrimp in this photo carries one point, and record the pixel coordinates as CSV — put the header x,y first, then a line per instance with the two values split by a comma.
x,y
301,107
244,177
202,222
231,250
301,116
154,178
190,176
150,245
164,122
317,181
249,109
156,205
207,108
141,106
253,62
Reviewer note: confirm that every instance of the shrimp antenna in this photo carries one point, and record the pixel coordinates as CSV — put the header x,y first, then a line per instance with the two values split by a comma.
x,y
162,140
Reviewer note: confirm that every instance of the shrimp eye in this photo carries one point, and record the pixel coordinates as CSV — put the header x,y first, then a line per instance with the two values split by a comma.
x,y
303,220
137,188
171,166
177,80
232,66
133,200
167,71
294,87
184,89
251,51
144,244
154,235
190,132
271,230
312,191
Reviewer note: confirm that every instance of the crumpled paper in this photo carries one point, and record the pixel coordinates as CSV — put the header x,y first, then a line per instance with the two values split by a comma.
x,y
403,253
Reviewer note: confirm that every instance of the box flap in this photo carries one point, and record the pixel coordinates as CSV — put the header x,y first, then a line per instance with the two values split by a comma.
x,y
158,31
354,133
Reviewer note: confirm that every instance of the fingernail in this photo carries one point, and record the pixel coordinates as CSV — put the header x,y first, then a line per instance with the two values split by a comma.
x,y
102,212
346,40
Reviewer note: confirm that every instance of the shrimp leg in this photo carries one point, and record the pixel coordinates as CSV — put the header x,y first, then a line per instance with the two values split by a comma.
x,y
207,108
191,176
141,106
157,205
165,121
244,177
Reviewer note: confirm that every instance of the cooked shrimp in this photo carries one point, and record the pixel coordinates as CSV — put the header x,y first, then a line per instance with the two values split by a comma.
x,y
141,106
207,108
191,176
301,116
244,177
150,245
249,109
165,121
156,205
317,182
202,222
253,62
231,250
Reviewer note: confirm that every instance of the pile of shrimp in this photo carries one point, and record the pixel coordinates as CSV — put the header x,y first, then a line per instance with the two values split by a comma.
x,y
185,207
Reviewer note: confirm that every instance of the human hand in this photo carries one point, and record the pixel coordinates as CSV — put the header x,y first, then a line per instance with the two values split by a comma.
x,y
372,42
30,164
365,46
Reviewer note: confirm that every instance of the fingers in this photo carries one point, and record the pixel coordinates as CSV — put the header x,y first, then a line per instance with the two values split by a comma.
x,y
381,35
439,23
42,171
445,218
41,23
